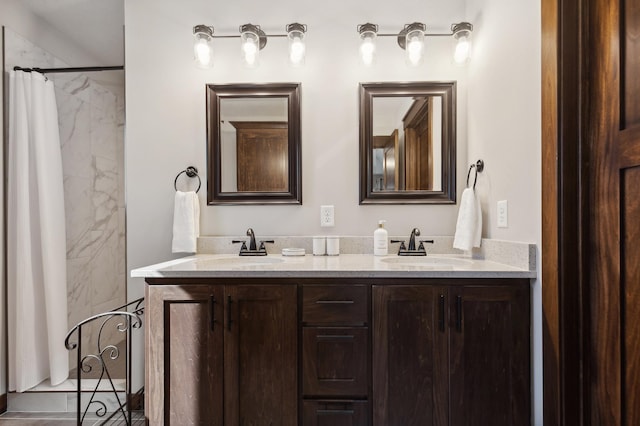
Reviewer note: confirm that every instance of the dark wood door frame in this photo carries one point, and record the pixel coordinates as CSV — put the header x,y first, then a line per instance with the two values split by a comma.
x,y
564,211
590,175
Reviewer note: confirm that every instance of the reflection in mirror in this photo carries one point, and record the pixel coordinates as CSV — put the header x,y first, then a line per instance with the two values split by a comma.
x,y
407,138
407,143
254,144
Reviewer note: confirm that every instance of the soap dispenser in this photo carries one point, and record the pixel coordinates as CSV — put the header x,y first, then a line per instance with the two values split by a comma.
x,y
380,240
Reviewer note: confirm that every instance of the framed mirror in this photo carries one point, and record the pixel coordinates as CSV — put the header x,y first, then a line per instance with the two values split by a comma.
x,y
408,143
253,144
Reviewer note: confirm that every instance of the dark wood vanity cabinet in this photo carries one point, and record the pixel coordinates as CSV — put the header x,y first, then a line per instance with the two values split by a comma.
x,y
333,352
183,333
452,354
489,355
221,355
410,357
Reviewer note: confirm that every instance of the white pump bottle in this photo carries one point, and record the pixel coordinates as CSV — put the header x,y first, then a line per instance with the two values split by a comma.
x,y
380,240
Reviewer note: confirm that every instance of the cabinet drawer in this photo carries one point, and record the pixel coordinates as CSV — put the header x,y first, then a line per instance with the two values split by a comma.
x,y
335,413
327,304
335,361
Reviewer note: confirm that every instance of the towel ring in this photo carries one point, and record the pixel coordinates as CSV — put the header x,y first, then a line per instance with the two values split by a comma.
x,y
190,172
479,166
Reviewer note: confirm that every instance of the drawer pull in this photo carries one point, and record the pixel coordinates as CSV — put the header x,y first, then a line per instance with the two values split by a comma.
x,y
459,313
336,336
229,302
329,412
336,302
441,313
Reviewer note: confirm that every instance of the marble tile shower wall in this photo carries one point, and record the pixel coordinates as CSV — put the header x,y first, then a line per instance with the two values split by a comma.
x,y
91,119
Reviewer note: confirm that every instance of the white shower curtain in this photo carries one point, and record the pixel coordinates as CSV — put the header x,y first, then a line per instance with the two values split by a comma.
x,y
36,258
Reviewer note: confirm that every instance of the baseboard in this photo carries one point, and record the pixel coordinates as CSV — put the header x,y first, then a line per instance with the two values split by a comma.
x,y
3,403
136,400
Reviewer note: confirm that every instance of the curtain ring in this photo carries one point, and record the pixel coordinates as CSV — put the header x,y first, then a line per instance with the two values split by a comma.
x,y
190,172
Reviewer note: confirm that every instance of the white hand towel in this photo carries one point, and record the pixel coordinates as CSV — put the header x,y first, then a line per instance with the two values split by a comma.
x,y
469,226
186,222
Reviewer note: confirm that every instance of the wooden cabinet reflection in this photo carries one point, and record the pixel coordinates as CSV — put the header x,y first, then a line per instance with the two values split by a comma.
x,y
262,156
419,146
405,158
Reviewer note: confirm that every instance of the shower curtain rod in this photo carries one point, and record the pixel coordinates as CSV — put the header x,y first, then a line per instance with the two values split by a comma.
x,y
76,69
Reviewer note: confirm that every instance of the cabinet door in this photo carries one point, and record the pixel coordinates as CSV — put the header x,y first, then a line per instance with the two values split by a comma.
x,y
409,356
262,156
184,357
489,335
261,386
335,361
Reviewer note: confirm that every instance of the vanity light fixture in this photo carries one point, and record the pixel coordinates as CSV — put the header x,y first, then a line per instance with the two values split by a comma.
x,y
462,36
368,33
297,48
411,39
253,40
202,51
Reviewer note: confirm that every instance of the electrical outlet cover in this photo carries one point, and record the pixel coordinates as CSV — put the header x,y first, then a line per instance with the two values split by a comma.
x,y
327,216
503,214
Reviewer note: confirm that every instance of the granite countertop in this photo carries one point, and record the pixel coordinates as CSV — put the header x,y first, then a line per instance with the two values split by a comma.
x,y
342,266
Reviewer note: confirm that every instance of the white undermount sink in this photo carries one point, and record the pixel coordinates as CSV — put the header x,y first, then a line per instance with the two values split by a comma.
x,y
427,261
240,261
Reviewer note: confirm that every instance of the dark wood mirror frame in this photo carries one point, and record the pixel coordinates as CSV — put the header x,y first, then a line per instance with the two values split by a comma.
x,y
447,91
215,93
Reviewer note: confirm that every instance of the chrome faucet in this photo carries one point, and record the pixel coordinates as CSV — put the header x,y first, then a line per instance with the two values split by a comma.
x,y
412,239
253,249
412,250
252,239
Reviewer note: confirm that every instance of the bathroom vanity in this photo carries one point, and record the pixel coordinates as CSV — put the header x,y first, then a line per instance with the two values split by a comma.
x,y
353,340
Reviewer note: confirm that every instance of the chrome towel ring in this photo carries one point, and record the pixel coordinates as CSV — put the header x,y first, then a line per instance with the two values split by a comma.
x,y
190,172
479,166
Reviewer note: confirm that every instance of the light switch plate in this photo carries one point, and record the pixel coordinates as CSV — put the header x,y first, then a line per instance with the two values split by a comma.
x,y
326,216
503,214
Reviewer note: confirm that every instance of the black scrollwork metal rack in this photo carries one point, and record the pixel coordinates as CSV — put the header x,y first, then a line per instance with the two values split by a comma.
x,y
124,319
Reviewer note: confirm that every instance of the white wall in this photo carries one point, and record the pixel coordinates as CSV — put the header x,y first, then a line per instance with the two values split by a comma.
x,y
166,123
504,130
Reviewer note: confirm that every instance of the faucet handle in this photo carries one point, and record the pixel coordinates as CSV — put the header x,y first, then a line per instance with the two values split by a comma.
x,y
402,246
421,246
243,242
263,242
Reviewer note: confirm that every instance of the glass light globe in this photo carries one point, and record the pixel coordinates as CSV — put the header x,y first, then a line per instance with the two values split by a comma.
x,y
368,35
297,48
415,47
202,46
